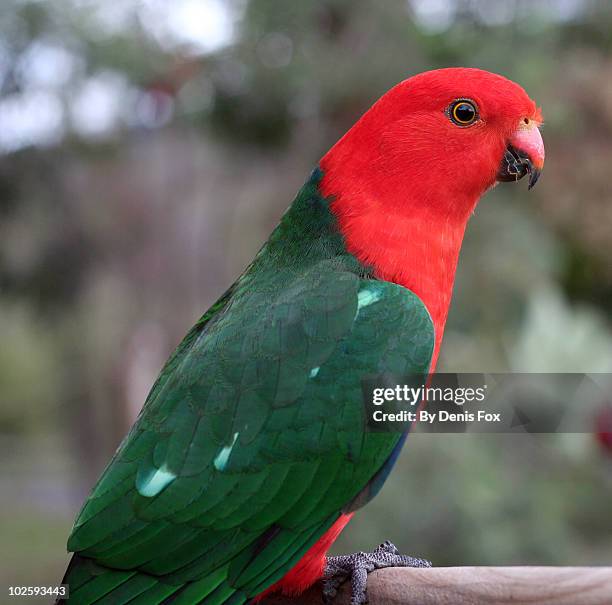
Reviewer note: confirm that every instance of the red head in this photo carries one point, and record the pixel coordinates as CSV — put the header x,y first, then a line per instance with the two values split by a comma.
x,y
405,179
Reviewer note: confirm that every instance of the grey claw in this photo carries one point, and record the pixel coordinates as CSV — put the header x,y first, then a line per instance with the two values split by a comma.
x,y
330,587
388,546
357,567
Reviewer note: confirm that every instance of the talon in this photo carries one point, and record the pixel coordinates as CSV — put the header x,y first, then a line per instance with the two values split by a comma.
x,y
357,567
388,546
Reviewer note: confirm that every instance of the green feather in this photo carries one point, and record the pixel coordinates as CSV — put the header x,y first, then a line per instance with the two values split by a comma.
x,y
252,440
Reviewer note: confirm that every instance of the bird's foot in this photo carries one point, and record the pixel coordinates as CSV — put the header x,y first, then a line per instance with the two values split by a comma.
x,y
357,566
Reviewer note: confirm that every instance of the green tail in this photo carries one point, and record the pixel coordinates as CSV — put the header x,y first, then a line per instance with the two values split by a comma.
x,y
91,583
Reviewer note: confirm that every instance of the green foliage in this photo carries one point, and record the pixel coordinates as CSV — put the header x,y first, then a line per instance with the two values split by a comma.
x,y
30,371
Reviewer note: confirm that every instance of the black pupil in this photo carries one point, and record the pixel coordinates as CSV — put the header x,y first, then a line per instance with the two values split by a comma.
x,y
464,112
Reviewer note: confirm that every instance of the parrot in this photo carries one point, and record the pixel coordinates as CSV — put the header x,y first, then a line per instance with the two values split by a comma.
x,y
252,452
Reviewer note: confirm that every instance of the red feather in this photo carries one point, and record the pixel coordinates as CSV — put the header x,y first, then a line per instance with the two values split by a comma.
x,y
310,567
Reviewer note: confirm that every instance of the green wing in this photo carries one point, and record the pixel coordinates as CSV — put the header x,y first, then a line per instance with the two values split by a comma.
x,y
251,442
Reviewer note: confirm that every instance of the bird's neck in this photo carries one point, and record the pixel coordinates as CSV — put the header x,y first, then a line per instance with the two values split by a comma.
x,y
407,239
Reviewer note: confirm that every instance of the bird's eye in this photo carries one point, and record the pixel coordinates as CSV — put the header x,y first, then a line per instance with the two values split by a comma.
x,y
463,112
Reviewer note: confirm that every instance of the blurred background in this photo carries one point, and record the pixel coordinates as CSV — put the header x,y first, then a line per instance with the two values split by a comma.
x,y
147,149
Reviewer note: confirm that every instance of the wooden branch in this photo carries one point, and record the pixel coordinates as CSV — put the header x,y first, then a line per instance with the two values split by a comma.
x,y
476,585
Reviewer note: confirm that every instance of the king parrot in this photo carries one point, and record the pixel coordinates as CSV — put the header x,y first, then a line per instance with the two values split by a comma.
x,y
250,454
